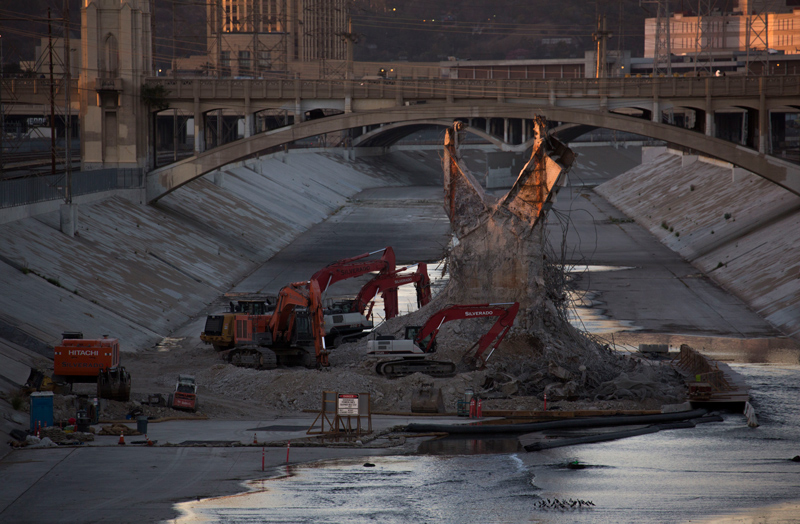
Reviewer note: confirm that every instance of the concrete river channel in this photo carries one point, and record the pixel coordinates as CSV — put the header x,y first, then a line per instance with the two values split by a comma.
x,y
630,289
715,473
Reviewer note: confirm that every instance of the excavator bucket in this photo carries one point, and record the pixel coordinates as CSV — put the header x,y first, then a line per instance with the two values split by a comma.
x,y
427,399
114,384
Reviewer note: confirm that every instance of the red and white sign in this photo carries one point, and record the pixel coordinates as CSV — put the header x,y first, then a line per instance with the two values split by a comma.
x,y
347,405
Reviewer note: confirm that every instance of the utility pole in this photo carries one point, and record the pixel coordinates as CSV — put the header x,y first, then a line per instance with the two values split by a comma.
x,y
2,109
219,38
256,15
153,35
601,37
68,108
52,97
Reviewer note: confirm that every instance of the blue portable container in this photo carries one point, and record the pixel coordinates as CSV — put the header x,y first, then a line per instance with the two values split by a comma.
x,y
41,409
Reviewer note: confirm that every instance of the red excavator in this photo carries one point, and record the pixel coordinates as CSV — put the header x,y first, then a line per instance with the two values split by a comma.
x,y
222,330
354,267
420,341
296,325
386,284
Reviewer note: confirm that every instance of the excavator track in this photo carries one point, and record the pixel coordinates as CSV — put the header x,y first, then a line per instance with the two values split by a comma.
x,y
405,367
254,358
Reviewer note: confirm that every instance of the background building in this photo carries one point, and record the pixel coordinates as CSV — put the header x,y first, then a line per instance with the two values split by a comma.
x,y
770,26
252,38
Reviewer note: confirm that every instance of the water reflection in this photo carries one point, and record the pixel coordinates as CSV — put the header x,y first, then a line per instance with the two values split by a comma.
x,y
586,316
466,445
484,488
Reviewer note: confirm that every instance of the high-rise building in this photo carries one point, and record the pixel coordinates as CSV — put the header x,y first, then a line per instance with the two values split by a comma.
x,y
760,25
257,37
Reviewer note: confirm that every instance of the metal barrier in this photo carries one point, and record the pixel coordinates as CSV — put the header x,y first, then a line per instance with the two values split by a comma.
x,y
698,366
30,190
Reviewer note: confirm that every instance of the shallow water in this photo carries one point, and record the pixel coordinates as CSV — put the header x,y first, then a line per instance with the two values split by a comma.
x,y
716,472
672,476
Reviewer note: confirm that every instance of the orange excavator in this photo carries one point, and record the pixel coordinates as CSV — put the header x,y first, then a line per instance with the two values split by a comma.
x,y
223,330
420,341
286,335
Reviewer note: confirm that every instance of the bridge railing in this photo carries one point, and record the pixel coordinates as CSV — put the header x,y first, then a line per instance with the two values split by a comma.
x,y
35,90
446,89
30,190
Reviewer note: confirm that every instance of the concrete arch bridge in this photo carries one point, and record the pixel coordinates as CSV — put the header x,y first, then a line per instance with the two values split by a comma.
x,y
501,108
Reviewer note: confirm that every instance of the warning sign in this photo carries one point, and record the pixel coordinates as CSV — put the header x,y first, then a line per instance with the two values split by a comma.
x,y
347,405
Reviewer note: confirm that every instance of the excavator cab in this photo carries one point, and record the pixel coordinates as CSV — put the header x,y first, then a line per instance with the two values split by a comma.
x,y
253,307
302,335
413,331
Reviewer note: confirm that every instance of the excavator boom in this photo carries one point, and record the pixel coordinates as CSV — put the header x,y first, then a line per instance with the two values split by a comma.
x,y
354,267
413,349
384,283
303,295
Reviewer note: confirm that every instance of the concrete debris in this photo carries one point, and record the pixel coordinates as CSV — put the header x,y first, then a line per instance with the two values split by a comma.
x,y
117,430
59,436
35,442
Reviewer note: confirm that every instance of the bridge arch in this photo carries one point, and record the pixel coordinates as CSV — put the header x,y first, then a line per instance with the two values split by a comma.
x,y
388,134
164,180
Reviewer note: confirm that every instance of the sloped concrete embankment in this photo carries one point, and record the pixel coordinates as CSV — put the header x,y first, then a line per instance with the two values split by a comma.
x,y
138,272
737,228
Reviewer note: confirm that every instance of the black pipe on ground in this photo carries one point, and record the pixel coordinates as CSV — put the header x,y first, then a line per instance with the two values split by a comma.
x,y
616,435
573,423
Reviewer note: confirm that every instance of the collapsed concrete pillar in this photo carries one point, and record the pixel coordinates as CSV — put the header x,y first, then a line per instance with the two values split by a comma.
x,y
498,254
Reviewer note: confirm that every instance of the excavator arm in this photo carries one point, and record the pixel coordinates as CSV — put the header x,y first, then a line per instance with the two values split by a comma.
x,y
384,283
354,267
505,313
306,295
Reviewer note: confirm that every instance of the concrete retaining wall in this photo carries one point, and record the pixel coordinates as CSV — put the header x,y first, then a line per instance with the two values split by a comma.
x,y
737,228
137,272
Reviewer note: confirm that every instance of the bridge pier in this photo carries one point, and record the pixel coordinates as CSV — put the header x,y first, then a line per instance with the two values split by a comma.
x,y
763,118
248,111
709,123
199,127
69,219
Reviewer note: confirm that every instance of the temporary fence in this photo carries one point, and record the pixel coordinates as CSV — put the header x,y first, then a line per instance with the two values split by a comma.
x,y
33,189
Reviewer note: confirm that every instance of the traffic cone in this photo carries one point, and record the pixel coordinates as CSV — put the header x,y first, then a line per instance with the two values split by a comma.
x,y
121,439
255,440
149,442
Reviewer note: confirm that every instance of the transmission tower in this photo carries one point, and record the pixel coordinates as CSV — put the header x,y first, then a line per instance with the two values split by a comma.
x,y
704,41
662,52
758,34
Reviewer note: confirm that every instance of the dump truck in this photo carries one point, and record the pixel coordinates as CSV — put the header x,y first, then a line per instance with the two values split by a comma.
x,y
220,329
80,360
